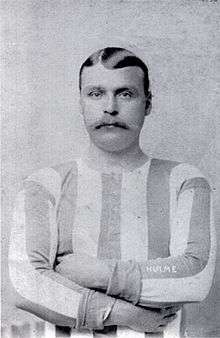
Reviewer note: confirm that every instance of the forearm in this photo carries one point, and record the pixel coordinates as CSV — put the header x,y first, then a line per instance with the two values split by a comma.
x,y
186,275
179,278
39,289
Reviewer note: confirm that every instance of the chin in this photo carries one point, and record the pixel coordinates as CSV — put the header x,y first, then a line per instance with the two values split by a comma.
x,y
113,145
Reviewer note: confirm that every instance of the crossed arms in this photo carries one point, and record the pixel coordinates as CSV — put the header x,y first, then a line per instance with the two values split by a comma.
x,y
66,295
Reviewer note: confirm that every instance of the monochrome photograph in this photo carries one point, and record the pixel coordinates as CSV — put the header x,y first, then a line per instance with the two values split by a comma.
x,y
110,169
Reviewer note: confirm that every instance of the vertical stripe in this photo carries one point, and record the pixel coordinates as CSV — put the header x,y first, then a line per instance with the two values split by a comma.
x,y
158,204
50,330
86,225
133,215
133,225
53,234
63,331
183,323
66,211
158,211
127,333
181,224
109,238
172,330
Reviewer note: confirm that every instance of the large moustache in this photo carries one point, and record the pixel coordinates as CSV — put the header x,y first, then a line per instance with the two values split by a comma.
x,y
104,123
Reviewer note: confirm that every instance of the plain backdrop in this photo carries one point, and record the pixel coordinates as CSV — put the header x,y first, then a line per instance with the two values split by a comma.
x,y
43,46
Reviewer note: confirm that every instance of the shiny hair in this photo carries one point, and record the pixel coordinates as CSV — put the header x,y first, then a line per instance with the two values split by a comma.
x,y
114,58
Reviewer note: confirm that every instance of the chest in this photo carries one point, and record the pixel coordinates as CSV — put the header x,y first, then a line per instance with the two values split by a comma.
x,y
113,216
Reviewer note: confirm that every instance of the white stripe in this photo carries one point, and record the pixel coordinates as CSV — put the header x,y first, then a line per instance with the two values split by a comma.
x,y
86,225
179,174
28,282
50,330
127,333
75,334
179,227
180,224
134,234
7,333
172,330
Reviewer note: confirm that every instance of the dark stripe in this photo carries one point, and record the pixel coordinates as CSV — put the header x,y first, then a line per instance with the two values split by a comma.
x,y
109,238
66,212
183,323
154,335
158,208
63,331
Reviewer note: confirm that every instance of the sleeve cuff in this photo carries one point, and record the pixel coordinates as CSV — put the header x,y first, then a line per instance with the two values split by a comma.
x,y
125,281
94,309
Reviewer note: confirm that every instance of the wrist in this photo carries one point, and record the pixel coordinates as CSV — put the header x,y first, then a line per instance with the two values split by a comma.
x,y
120,314
125,281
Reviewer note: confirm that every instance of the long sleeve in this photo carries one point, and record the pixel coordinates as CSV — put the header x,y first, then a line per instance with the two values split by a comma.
x,y
186,275
33,245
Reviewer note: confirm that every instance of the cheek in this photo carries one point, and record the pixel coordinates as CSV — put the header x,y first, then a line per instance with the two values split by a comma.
x,y
91,111
134,113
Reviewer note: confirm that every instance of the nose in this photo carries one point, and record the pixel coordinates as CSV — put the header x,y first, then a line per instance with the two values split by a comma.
x,y
111,106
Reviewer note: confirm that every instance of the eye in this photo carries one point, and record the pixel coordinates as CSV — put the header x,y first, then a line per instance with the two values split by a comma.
x,y
95,94
126,94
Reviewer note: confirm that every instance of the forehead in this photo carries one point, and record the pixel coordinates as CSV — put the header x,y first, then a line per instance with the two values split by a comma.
x,y
100,76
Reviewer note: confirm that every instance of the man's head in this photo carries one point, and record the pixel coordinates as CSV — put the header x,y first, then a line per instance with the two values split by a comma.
x,y
115,97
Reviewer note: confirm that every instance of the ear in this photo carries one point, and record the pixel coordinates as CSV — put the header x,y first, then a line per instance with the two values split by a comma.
x,y
148,108
148,104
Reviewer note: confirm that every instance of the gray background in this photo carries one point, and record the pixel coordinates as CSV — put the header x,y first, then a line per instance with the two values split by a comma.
x,y
44,43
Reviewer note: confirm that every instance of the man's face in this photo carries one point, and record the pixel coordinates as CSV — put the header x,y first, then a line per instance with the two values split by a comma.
x,y
113,105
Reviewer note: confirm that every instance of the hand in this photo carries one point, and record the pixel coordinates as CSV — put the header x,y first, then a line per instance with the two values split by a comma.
x,y
141,319
86,271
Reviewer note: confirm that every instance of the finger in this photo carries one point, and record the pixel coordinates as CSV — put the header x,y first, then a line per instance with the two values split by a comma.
x,y
174,308
168,319
170,315
169,311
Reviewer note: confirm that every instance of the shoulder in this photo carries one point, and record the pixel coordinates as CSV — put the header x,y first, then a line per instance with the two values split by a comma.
x,y
51,178
180,174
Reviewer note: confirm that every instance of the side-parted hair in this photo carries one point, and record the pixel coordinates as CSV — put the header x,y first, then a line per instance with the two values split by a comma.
x,y
114,58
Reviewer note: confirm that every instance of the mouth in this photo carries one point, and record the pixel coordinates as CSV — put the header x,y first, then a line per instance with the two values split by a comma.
x,y
112,125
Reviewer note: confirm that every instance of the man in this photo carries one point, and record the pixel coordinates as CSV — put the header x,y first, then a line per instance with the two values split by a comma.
x,y
115,238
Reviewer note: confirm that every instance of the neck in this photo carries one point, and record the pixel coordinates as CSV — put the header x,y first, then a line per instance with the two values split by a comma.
x,y
126,159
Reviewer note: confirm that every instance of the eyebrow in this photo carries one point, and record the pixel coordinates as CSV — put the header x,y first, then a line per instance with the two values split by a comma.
x,y
117,91
88,88
124,89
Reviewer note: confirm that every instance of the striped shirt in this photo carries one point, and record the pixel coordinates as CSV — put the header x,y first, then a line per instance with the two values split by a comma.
x,y
155,221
